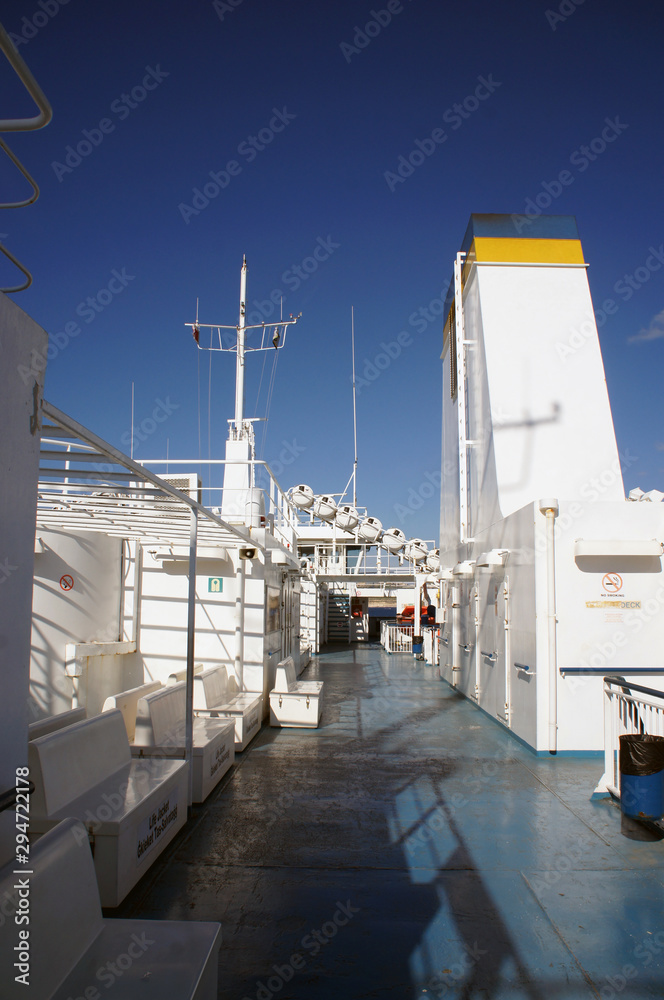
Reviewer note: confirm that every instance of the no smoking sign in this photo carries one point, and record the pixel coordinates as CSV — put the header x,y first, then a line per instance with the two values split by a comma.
x,y
612,583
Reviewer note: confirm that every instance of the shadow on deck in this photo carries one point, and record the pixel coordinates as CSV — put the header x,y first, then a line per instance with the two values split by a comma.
x,y
411,848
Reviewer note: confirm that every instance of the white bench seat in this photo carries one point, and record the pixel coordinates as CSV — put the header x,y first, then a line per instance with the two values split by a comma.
x,y
181,675
213,699
160,732
54,722
292,702
305,655
127,702
71,943
131,809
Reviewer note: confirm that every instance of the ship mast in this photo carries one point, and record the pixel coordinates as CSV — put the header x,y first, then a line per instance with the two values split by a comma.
x,y
239,366
240,456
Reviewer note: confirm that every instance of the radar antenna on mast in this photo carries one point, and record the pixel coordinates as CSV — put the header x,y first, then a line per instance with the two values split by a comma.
x,y
273,337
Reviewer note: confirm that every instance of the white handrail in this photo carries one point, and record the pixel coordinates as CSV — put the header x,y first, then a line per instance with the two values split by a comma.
x,y
628,709
396,638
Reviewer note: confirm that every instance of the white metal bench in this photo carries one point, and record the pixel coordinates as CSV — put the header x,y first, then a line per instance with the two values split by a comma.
x,y
292,702
305,654
73,950
131,808
181,675
54,722
127,702
160,732
213,699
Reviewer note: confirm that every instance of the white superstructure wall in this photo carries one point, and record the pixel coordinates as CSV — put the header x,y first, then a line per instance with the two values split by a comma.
x,y
551,578
21,342
544,407
537,419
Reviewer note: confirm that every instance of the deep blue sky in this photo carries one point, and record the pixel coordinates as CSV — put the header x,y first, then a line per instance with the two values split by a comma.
x,y
221,71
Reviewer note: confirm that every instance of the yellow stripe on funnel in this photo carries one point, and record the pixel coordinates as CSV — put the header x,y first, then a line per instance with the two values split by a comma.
x,y
497,249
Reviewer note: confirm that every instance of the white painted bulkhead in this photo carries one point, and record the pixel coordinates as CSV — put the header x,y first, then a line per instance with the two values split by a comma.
x,y
537,424
23,348
88,612
533,404
262,601
599,631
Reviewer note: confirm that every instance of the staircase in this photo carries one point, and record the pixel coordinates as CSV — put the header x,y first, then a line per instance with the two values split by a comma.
x,y
338,617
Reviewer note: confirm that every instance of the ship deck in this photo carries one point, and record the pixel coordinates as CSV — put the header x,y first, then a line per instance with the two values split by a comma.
x,y
411,847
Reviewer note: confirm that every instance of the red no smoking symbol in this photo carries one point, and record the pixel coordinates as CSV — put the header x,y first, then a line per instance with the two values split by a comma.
x,y
612,582
67,582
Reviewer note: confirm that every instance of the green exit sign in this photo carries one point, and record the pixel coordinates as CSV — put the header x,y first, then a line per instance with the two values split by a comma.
x,y
215,584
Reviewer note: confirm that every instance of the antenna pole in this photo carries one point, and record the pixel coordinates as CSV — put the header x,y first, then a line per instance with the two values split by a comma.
x,y
352,329
239,368
131,451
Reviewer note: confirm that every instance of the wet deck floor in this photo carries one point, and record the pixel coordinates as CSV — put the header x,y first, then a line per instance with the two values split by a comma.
x,y
408,848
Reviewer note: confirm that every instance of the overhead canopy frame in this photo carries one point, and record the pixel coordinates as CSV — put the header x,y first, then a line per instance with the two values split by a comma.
x,y
85,484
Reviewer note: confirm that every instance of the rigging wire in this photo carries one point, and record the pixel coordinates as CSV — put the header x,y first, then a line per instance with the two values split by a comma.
x,y
210,421
260,382
354,477
131,453
268,404
346,490
198,357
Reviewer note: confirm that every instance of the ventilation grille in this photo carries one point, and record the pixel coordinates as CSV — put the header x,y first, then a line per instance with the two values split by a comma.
x,y
187,482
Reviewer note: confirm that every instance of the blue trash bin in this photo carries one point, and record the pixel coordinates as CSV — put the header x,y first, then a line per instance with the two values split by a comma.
x,y
418,643
642,776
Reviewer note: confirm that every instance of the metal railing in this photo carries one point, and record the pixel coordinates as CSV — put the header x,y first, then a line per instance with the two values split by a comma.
x,y
22,125
278,518
396,638
349,556
628,709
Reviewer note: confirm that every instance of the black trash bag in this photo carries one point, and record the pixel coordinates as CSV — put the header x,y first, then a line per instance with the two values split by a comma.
x,y
641,754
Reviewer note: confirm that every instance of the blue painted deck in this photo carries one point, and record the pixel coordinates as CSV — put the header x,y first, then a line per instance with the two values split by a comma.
x,y
411,848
